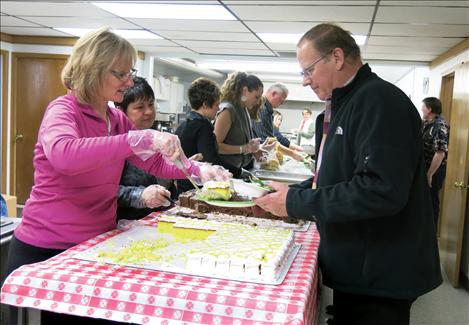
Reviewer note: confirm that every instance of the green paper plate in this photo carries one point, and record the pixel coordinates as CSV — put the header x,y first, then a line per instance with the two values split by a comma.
x,y
231,204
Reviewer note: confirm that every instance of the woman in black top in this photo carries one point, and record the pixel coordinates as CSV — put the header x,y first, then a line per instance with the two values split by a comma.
x,y
196,133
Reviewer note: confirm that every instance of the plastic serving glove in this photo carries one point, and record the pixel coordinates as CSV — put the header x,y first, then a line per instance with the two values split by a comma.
x,y
208,172
154,196
268,145
144,144
251,147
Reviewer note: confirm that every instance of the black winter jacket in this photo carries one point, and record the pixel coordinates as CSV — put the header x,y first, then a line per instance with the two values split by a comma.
x,y
372,203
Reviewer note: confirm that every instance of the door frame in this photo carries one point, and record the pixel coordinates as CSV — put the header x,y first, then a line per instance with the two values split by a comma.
x,y
15,93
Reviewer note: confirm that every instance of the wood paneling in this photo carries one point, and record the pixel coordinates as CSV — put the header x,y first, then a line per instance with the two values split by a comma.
x,y
452,52
38,40
457,175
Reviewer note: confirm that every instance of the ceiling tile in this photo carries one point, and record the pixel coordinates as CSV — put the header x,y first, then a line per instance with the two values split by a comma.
x,y
222,45
167,51
153,42
301,27
14,22
414,42
56,9
429,50
33,31
304,13
434,15
225,51
190,25
209,36
445,3
398,57
421,30
293,2
83,22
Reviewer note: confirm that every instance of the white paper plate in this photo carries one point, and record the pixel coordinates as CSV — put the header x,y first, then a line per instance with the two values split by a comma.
x,y
249,190
231,204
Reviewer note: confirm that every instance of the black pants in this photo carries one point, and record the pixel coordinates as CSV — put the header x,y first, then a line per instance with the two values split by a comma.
x,y
437,183
353,309
19,254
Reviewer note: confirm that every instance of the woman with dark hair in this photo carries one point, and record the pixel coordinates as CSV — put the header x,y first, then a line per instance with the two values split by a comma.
x,y
233,131
141,193
196,133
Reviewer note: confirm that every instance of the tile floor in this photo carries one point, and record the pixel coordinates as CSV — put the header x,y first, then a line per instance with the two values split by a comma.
x,y
443,306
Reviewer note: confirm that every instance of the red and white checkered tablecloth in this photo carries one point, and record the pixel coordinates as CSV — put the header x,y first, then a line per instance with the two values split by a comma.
x,y
66,285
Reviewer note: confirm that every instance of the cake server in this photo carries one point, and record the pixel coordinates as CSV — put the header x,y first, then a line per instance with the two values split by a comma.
x,y
180,166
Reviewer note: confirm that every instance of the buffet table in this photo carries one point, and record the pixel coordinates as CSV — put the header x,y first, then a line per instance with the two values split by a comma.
x,y
64,284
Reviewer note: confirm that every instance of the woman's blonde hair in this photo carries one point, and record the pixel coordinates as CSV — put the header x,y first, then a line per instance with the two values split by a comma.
x,y
232,88
92,58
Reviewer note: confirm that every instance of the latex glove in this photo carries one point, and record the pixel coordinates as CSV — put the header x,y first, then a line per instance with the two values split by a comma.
x,y
251,147
276,202
208,172
268,146
144,144
154,196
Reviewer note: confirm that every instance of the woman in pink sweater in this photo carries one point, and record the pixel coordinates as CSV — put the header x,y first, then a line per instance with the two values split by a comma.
x,y
81,150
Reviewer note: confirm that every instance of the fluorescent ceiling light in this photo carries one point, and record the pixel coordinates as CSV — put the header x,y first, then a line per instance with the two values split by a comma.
x,y
261,66
126,33
296,78
286,38
166,11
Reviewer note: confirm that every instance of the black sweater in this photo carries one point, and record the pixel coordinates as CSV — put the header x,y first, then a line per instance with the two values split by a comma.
x,y
372,203
196,136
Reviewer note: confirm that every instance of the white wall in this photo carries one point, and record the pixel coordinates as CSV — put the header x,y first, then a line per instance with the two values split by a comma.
x,y
416,85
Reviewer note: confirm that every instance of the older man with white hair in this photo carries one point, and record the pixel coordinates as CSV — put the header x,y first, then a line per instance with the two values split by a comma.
x,y
264,128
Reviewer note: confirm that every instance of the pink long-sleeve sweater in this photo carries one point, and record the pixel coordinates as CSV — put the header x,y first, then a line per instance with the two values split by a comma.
x,y
77,168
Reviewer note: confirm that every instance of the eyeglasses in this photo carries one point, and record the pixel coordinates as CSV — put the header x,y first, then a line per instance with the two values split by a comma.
x,y
309,70
124,76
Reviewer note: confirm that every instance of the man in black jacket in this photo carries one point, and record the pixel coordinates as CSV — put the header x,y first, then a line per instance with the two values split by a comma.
x,y
370,196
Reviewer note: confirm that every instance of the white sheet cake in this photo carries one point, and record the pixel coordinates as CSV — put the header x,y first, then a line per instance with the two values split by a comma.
x,y
232,250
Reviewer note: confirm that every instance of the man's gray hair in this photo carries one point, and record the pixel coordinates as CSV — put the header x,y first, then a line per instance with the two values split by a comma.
x,y
278,87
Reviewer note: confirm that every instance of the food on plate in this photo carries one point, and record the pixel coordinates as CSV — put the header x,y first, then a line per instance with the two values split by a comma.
x,y
215,190
191,200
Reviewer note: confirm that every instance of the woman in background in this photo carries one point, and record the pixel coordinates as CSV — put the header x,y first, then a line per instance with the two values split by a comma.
x,y
196,133
80,153
233,131
141,193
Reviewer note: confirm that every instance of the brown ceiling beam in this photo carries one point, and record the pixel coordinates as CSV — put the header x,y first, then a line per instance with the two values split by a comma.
x,y
38,40
46,40
452,52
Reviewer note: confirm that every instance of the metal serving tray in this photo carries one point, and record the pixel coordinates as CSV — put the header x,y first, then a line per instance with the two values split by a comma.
x,y
280,176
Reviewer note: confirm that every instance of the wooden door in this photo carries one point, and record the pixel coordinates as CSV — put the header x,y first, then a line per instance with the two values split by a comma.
x,y
4,117
446,97
35,82
457,176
